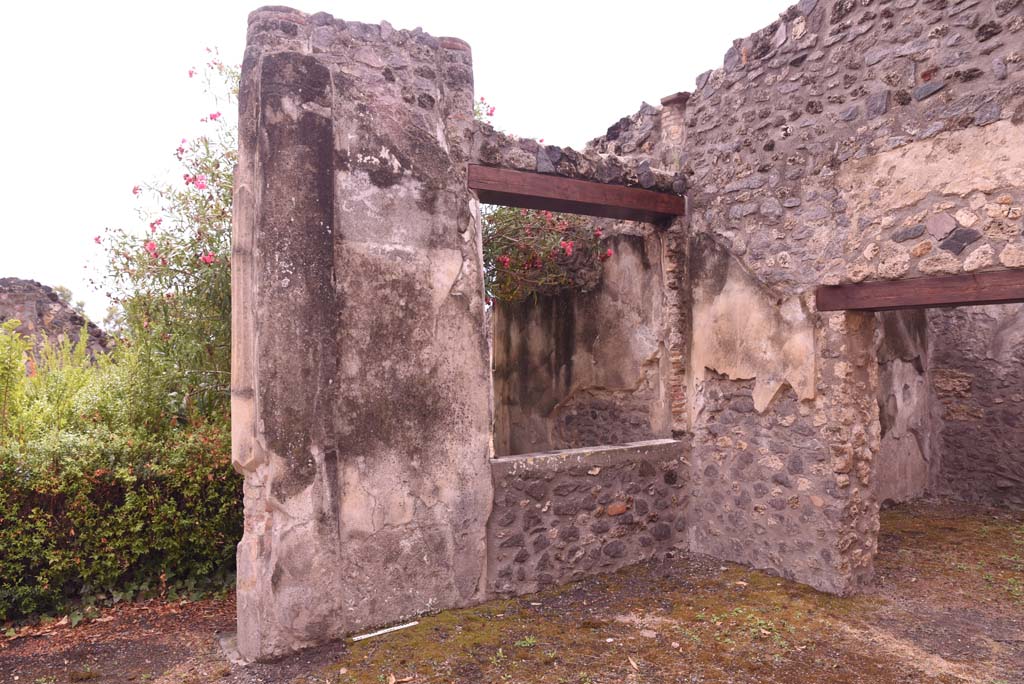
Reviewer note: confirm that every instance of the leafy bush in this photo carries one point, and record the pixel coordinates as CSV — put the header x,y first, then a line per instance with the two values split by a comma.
x,y
13,348
105,517
172,280
115,474
99,495
529,252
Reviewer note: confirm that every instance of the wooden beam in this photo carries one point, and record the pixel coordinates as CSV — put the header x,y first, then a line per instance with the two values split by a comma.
x,y
556,193
993,287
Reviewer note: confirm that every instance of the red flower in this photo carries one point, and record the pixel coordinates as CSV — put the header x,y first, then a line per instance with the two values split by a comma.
x,y
150,247
214,116
208,258
567,246
136,190
200,182
597,232
606,255
155,224
97,239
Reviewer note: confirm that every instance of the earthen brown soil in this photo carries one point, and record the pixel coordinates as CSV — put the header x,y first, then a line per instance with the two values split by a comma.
x,y
947,606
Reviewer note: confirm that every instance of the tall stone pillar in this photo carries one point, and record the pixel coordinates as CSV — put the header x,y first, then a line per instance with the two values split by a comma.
x,y
361,391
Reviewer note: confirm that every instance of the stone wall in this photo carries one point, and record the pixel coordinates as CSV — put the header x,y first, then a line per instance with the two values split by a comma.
x,y
848,141
978,380
360,387
587,368
561,516
44,315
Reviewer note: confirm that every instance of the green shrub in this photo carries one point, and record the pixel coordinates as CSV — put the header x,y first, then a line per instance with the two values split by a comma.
x,y
13,348
102,516
115,474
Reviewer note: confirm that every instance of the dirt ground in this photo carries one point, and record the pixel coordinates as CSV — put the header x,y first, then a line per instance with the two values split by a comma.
x,y
947,606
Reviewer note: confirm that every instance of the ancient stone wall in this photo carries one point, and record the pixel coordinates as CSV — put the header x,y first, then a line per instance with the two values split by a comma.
x,y
587,368
44,315
977,375
561,516
847,141
361,404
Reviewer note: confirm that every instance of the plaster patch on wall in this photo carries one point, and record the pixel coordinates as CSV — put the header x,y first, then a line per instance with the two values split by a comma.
x,y
742,331
954,163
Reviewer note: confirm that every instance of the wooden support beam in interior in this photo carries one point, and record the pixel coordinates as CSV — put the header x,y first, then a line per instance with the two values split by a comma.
x,y
556,193
993,287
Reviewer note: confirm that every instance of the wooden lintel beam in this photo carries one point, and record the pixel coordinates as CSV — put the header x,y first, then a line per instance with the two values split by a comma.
x,y
993,287
556,193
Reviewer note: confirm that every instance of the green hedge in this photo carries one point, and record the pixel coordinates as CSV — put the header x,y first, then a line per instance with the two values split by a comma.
x,y
105,517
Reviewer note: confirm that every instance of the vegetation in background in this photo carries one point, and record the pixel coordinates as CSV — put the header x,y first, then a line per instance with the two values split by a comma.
x,y
115,476
172,284
529,252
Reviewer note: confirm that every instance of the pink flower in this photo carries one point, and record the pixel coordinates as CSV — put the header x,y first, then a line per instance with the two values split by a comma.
x,y
136,190
150,247
155,224
541,140
208,258
96,239
191,72
200,182
482,99
606,255
567,246
214,116
504,260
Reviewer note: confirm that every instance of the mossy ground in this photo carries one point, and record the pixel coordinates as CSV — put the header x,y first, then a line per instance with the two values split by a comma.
x,y
946,607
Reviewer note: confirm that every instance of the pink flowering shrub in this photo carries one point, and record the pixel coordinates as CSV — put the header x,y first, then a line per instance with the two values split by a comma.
x,y
170,276
529,252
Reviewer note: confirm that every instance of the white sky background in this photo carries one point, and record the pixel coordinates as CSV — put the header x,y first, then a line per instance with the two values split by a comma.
x,y
97,97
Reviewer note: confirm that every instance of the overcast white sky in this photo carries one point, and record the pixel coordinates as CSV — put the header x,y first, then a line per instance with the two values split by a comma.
x,y
96,94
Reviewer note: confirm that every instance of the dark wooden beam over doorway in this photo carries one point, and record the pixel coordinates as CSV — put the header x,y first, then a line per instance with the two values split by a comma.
x,y
993,287
556,193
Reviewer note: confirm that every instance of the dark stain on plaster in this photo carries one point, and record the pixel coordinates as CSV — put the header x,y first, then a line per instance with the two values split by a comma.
x,y
287,73
561,311
298,217
330,516
394,406
709,265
